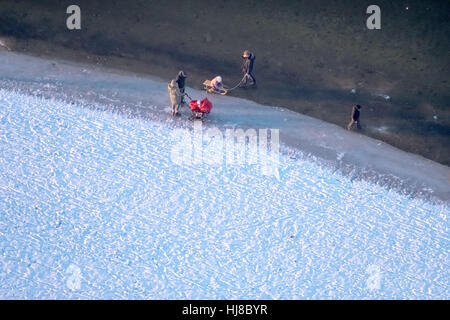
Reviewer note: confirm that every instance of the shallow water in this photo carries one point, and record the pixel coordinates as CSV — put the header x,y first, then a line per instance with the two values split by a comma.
x,y
94,207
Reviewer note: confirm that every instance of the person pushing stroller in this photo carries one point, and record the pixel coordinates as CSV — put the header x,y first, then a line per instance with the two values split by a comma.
x,y
175,96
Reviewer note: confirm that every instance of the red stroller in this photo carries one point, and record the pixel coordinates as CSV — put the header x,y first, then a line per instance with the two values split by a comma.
x,y
200,108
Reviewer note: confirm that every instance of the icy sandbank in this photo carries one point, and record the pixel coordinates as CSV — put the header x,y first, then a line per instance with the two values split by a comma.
x,y
359,156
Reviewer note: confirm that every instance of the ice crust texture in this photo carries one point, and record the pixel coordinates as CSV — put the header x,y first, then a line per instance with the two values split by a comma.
x,y
91,206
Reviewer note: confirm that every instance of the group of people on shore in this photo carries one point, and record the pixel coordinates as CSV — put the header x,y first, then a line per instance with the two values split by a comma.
x,y
177,86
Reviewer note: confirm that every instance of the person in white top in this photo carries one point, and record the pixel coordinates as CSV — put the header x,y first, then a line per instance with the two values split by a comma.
x,y
217,84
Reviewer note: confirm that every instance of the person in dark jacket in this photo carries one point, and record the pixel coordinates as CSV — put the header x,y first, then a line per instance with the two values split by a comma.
x,y
181,80
247,69
355,117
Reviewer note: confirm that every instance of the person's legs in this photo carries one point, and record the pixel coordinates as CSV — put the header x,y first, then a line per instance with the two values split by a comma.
x,y
350,124
182,95
219,89
248,80
253,79
244,81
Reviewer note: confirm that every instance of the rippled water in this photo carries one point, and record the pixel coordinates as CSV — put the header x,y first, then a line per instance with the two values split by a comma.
x,y
93,207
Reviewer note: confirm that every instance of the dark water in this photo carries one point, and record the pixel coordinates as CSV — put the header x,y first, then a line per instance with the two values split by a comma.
x,y
310,54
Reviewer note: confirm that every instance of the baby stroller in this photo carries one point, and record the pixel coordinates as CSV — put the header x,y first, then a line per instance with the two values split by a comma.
x,y
200,108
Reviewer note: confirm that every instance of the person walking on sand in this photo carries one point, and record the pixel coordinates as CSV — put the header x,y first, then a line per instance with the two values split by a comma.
x,y
175,96
355,117
247,69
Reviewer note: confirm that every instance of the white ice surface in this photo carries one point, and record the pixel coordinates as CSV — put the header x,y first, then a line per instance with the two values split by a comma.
x,y
92,207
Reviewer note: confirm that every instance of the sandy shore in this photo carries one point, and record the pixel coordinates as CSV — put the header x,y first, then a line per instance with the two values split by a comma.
x,y
137,96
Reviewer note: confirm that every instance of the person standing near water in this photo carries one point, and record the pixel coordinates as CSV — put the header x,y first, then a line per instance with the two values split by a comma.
x,y
355,117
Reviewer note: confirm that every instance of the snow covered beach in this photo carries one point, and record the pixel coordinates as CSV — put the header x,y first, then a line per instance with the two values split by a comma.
x,y
92,207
